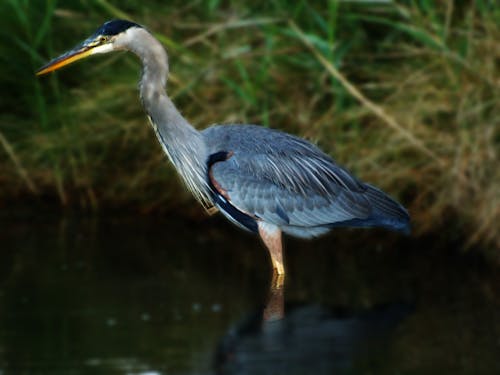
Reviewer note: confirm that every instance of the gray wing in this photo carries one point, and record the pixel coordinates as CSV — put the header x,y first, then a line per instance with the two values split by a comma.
x,y
283,179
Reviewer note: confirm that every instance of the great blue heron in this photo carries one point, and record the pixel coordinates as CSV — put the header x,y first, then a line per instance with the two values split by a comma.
x,y
263,180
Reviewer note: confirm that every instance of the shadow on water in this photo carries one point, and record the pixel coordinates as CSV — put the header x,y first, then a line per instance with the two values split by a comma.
x,y
153,296
306,339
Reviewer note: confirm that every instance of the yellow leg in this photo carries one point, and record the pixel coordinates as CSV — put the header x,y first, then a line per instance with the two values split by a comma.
x,y
271,236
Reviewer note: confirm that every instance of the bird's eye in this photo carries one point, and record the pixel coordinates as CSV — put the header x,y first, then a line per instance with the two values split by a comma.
x,y
103,38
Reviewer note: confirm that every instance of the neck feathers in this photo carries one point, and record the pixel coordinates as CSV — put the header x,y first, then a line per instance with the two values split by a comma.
x,y
182,143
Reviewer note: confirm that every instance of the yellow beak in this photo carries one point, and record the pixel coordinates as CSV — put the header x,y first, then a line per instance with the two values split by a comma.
x,y
65,59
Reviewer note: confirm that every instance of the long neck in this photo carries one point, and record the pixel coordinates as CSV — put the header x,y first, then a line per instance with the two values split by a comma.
x,y
182,143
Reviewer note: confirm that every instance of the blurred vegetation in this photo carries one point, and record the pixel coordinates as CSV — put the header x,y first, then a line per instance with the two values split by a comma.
x,y
405,94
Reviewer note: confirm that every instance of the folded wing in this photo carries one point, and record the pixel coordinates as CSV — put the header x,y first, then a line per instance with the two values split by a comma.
x,y
289,182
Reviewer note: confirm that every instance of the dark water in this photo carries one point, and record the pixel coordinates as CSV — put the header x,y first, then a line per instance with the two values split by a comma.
x,y
155,296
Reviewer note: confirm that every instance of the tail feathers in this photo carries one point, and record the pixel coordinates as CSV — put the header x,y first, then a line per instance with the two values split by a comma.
x,y
386,213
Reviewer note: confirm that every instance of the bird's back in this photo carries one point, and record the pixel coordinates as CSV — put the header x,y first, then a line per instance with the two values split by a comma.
x,y
289,182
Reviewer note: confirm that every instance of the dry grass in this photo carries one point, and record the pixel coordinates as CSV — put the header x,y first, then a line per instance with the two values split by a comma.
x,y
406,96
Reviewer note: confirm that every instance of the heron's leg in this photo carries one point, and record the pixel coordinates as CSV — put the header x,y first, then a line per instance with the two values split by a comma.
x,y
271,235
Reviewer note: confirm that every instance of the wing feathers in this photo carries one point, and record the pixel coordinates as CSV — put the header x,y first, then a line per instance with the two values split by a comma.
x,y
289,182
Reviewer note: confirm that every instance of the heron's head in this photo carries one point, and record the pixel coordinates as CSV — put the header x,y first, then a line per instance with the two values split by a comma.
x,y
111,36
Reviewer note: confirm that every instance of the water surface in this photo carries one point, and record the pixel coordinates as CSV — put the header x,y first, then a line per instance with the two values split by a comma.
x,y
145,295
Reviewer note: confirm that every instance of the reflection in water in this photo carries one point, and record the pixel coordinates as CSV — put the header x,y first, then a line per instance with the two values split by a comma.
x,y
275,307
131,296
308,339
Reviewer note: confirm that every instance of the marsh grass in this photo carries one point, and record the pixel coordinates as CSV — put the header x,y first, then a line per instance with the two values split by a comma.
x,y
404,94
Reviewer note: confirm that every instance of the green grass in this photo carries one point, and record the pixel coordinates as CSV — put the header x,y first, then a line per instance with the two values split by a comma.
x,y
404,94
